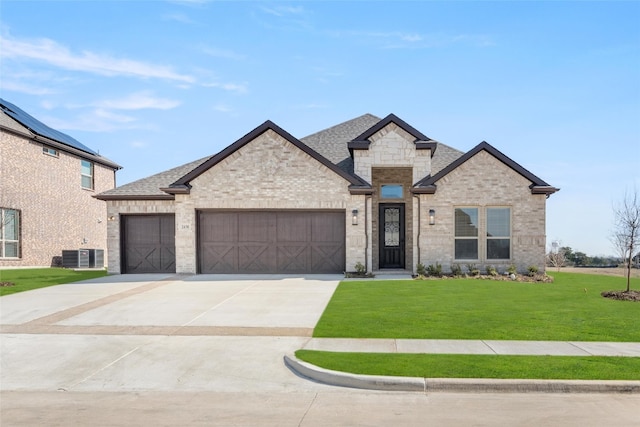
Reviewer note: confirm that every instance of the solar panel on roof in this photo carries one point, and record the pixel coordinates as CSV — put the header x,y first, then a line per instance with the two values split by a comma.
x,y
40,128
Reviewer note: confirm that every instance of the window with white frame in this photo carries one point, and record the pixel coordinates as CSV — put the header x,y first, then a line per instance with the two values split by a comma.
x,y
50,151
86,174
9,233
466,233
498,233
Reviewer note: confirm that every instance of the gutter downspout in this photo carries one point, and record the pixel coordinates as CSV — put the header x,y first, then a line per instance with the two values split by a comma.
x,y
366,234
418,237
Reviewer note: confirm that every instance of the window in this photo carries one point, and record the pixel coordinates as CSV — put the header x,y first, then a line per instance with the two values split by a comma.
x,y
466,233
9,233
392,191
86,174
498,233
49,151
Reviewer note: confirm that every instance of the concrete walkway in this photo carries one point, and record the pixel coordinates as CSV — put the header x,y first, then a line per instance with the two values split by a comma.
x,y
533,348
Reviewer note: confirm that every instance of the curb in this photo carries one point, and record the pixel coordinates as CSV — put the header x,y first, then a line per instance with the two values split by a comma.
x,y
457,385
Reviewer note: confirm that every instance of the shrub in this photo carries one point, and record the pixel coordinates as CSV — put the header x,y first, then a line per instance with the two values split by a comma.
x,y
435,270
456,270
360,268
512,269
421,270
533,270
473,270
491,270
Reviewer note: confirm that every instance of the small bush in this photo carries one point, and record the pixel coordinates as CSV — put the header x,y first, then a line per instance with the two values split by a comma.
x,y
491,270
435,270
512,269
473,270
456,270
360,268
421,270
533,270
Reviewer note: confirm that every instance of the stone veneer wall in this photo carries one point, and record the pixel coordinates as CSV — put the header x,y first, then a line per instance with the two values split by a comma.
x,y
483,181
402,176
282,177
56,213
392,147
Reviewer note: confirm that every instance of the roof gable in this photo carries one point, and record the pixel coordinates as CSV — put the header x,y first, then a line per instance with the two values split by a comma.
x,y
538,186
362,141
182,185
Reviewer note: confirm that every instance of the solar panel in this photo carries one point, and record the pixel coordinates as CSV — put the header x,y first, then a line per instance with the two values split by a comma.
x,y
40,128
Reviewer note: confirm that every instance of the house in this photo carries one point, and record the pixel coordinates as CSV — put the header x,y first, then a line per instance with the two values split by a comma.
x,y
47,183
368,191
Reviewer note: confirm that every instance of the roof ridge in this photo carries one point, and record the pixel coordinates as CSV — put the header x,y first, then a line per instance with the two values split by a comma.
x,y
366,115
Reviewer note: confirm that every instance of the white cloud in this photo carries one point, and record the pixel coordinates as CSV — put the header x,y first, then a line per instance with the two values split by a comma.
x,y
138,101
16,86
281,11
221,53
60,56
178,17
231,87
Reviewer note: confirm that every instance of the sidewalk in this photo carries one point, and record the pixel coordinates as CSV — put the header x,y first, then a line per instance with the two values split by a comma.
x,y
534,348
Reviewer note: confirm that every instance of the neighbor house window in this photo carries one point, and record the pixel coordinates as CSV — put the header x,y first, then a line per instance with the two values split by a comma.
x,y
391,191
9,233
498,233
50,151
86,174
466,233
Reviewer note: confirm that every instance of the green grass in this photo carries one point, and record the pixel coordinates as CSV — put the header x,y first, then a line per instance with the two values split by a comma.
x,y
478,366
570,309
34,278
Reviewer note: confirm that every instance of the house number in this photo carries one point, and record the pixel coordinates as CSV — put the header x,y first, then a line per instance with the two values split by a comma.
x,y
185,227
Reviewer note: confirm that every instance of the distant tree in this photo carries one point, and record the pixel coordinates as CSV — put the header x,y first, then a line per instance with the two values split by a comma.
x,y
581,259
568,253
626,234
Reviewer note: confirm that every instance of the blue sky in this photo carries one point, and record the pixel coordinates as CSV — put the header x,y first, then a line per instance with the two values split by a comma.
x,y
155,84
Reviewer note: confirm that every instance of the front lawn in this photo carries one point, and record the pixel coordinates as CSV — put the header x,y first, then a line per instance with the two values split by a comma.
x,y
570,309
34,278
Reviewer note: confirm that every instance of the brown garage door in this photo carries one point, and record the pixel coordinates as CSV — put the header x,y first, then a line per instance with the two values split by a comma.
x,y
148,243
271,242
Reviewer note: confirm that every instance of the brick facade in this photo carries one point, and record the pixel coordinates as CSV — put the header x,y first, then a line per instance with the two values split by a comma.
x,y
483,181
268,170
56,213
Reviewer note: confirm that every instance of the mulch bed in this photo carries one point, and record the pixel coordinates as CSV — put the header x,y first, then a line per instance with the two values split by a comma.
x,y
622,295
5,284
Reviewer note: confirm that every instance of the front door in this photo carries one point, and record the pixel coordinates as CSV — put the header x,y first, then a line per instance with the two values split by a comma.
x,y
391,238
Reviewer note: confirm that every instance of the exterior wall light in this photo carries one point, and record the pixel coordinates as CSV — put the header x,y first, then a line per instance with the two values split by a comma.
x,y
354,217
432,217
111,218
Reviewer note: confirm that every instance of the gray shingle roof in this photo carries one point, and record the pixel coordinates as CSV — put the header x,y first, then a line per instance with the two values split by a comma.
x,y
150,187
330,143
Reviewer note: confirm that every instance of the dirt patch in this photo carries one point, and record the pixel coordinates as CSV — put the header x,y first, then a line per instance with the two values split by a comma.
x,y
621,272
6,284
622,295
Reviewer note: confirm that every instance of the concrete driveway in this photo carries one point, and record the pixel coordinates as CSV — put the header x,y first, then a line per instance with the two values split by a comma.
x,y
153,332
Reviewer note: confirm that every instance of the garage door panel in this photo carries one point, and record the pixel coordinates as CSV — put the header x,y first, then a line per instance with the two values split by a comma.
x,y
273,242
148,244
219,258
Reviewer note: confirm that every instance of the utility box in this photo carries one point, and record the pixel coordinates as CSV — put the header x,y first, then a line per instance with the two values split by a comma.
x,y
77,258
96,258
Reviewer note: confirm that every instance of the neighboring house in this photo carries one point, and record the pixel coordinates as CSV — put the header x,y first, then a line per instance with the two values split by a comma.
x,y
47,180
371,191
